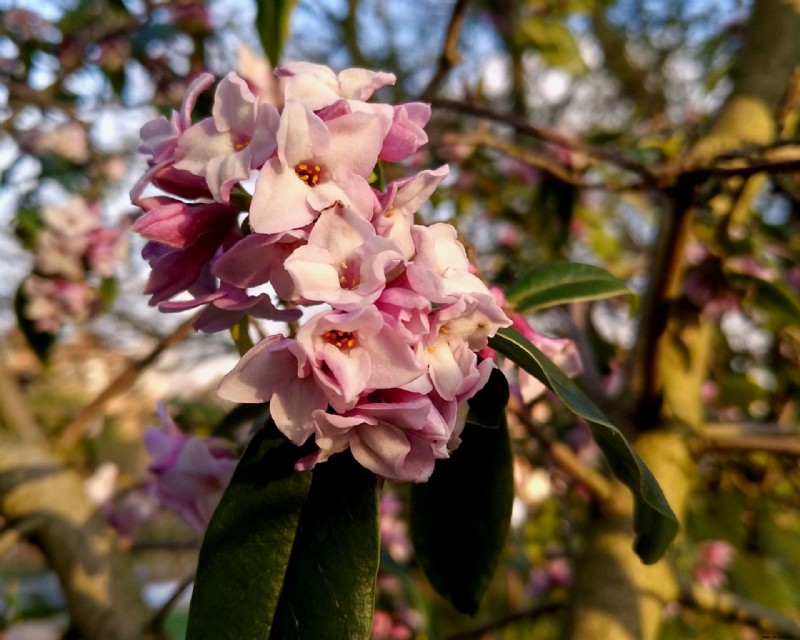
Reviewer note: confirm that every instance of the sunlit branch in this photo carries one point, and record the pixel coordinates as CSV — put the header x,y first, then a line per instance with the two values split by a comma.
x,y
73,432
562,455
548,135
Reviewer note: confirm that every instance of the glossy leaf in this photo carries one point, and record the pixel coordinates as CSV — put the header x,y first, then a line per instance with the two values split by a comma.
x,y
487,407
460,517
329,591
272,23
247,546
654,522
562,282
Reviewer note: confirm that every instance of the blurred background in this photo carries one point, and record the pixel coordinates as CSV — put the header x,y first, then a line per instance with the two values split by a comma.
x,y
657,140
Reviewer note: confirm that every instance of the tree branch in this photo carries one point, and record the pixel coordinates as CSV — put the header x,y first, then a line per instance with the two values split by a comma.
x,y
449,57
48,502
733,607
124,381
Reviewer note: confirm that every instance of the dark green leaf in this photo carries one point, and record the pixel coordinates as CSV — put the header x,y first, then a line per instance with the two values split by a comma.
x,y
487,407
272,23
562,282
329,591
460,517
654,522
40,342
772,297
248,543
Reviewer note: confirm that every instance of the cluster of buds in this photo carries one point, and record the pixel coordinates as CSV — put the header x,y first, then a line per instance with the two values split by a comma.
x,y
73,251
385,365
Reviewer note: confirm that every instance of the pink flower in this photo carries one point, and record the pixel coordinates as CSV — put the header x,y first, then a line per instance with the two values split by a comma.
x,y
407,133
350,352
160,141
259,258
239,137
270,372
179,224
52,302
313,156
228,305
440,270
344,263
385,628
713,559
191,473
396,434
560,350
318,86
394,531
401,201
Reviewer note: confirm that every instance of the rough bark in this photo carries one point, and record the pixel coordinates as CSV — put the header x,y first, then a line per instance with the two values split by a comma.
x,y
616,597
40,495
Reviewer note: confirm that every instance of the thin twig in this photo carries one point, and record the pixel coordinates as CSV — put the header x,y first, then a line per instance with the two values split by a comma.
x,y
732,606
781,444
450,56
526,614
157,620
550,136
124,381
562,455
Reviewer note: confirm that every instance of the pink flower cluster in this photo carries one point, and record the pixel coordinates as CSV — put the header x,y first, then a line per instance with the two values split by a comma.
x,y
72,251
385,367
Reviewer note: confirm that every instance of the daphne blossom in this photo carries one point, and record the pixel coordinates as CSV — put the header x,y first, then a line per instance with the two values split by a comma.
x,y
384,368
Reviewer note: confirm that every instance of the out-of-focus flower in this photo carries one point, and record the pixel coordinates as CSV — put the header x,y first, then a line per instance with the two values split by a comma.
x,y
713,559
190,472
555,573
394,530
385,627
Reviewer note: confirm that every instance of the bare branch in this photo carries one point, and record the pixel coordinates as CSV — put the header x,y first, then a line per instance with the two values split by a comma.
x,y
124,381
449,57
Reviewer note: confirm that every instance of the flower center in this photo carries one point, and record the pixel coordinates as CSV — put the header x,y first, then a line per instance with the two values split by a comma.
x,y
349,277
241,143
309,173
340,339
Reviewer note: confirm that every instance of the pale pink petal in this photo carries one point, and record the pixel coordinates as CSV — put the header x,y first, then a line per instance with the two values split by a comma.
x,y
292,407
260,370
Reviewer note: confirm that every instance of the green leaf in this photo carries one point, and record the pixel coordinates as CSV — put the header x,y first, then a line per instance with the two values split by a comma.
x,y
772,297
40,342
247,546
487,407
272,23
108,290
555,43
562,282
329,591
654,522
460,517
